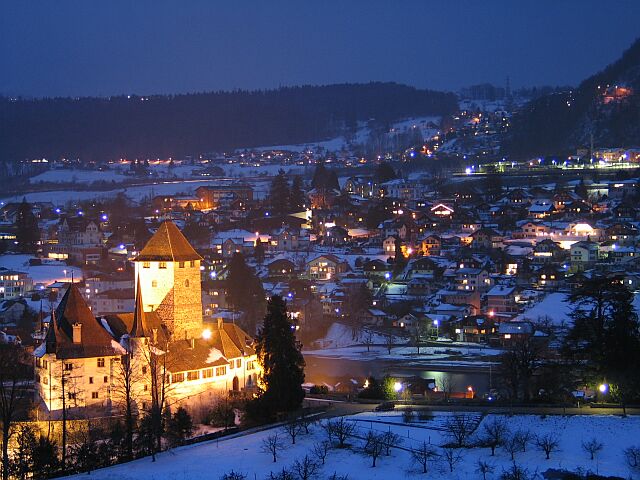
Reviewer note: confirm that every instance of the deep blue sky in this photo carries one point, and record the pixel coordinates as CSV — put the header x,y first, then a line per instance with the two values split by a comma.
x,y
87,47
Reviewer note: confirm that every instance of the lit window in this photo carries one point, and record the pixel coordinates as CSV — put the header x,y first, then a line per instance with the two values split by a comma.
x,y
146,265
100,362
162,265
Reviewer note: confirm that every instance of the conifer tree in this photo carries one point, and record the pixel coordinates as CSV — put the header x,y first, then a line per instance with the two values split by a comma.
x,y
279,194
297,195
27,231
279,354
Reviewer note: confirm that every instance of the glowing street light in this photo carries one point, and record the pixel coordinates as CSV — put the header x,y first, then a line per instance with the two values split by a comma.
x,y
206,334
397,386
603,388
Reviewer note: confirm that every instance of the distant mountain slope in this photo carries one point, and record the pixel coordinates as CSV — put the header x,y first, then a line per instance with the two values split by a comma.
x,y
164,126
606,105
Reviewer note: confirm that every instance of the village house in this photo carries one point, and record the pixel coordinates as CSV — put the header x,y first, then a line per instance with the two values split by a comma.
x,y
326,267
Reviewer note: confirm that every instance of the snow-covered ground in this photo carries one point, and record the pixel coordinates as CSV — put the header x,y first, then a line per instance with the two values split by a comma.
x,y
556,308
45,274
244,453
136,193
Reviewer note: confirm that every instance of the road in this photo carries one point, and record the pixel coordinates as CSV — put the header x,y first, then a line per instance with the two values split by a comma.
x,y
338,409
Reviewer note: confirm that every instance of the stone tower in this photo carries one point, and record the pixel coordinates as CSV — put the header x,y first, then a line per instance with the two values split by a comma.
x,y
168,273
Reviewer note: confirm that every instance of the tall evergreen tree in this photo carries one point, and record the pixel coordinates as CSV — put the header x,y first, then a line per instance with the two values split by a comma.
x,y
244,290
27,231
297,195
279,194
604,341
319,176
280,356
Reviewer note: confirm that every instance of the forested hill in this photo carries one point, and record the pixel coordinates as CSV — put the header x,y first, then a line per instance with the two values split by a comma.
x,y
606,105
171,126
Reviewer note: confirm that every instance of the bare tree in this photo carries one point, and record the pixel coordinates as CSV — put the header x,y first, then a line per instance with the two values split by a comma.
x,y
282,475
373,446
335,476
320,450
391,440
632,456
484,468
445,385
233,476
306,422
128,380
495,432
273,446
341,429
389,343
523,438
459,427
512,445
548,443
452,456
306,468
292,429
422,455
14,374
516,472
592,447
368,340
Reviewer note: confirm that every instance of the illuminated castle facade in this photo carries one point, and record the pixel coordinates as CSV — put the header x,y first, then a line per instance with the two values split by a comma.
x,y
83,357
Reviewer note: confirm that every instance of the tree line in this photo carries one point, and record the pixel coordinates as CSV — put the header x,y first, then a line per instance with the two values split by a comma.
x,y
98,129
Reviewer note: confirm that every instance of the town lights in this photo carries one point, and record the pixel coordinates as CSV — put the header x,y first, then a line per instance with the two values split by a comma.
x,y
206,334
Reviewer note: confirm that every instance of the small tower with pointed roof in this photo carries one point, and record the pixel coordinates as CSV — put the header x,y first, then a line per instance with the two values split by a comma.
x,y
168,272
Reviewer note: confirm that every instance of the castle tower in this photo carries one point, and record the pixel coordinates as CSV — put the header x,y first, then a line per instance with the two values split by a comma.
x,y
168,273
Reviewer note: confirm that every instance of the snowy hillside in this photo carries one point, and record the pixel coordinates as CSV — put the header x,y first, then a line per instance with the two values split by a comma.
x,y
244,454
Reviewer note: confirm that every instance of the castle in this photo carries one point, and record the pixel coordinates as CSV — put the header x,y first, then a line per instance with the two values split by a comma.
x,y
89,362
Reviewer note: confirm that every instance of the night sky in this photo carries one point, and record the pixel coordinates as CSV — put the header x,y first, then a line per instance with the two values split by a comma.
x,y
65,48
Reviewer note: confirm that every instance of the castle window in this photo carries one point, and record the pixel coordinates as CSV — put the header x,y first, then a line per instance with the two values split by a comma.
x,y
146,264
68,366
238,363
105,379
146,387
177,377
192,263
90,379
144,369
100,362
250,365
221,371
180,264
186,283
207,373
45,380
94,394
162,265
193,375
154,283
45,364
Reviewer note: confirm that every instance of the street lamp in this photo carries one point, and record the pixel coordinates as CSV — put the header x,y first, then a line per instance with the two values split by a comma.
x,y
436,323
603,388
397,387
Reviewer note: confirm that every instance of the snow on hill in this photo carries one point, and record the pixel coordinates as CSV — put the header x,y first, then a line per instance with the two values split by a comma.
x,y
557,308
48,272
244,454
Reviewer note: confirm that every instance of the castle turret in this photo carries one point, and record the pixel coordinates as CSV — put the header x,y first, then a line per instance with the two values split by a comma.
x,y
168,272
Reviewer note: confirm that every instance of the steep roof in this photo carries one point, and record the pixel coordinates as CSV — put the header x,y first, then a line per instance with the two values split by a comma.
x,y
139,328
73,310
168,244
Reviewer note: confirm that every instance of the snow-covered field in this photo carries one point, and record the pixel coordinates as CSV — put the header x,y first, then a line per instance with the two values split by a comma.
x,y
47,273
244,454
136,193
